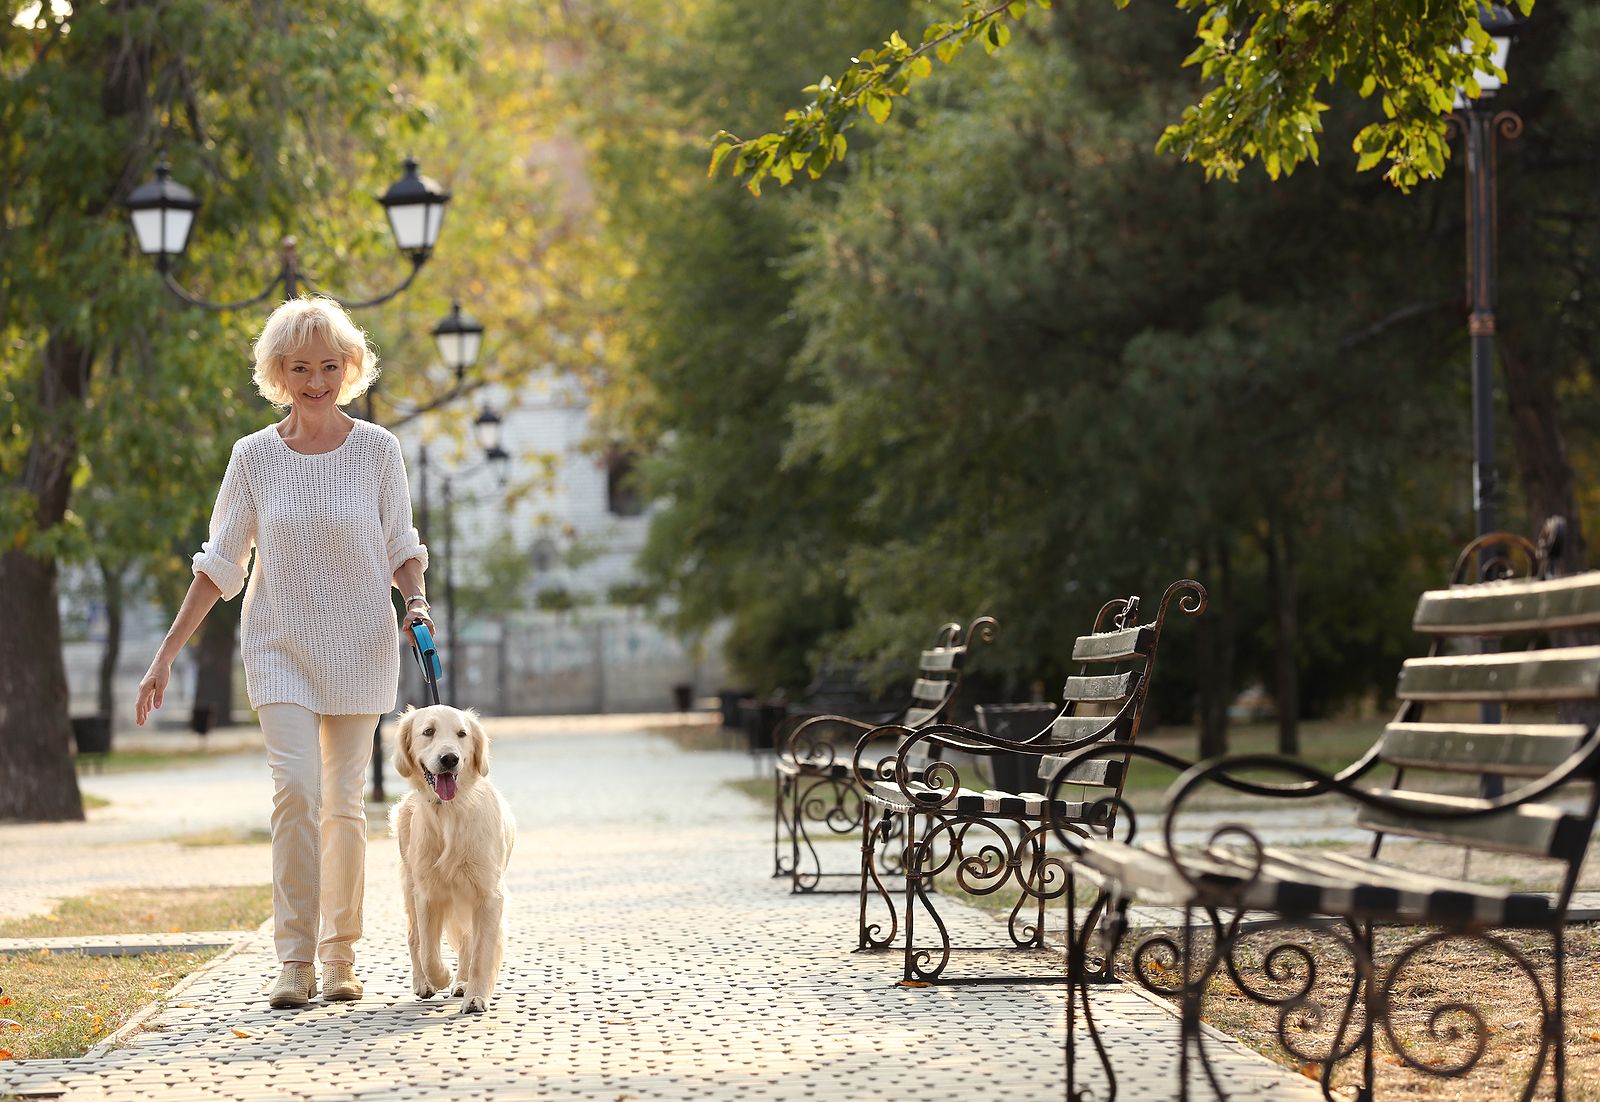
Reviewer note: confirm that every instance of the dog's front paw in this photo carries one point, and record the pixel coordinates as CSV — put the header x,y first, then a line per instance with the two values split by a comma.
x,y
475,1005
459,988
422,988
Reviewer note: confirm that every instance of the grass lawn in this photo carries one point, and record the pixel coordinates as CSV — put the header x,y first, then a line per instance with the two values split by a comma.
x,y
136,761
152,911
56,1005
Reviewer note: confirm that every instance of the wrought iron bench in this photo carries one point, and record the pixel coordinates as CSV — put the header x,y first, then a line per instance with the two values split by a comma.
x,y
812,777
1332,994
968,832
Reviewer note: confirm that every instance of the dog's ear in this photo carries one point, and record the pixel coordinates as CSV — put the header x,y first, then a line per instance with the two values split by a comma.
x,y
480,744
404,763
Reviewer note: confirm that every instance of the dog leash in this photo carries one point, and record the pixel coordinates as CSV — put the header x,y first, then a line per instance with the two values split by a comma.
x,y
426,652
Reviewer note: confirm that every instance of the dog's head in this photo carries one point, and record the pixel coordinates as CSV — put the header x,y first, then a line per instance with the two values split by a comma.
x,y
441,748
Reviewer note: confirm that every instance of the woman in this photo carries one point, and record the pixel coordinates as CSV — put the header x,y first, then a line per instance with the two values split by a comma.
x,y
323,499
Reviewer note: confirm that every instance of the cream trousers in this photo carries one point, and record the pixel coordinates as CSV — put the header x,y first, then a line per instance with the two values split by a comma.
x,y
319,829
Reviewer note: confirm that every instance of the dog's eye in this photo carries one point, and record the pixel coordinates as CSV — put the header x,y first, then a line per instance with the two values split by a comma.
x,y
427,732
461,734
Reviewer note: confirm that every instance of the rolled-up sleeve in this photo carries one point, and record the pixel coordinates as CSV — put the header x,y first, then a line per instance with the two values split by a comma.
x,y
224,557
394,511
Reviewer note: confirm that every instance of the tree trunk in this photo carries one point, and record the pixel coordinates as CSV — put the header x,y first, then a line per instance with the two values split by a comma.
x,y
1284,602
213,683
37,780
1216,653
1542,451
112,578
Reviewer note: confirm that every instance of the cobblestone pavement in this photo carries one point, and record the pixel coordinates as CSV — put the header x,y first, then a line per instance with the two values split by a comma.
x,y
650,957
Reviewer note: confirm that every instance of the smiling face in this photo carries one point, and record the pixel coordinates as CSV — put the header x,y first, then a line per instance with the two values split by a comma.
x,y
313,374
444,742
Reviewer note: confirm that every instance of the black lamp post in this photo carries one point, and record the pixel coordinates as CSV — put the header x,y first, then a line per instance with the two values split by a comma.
x,y
163,213
1480,123
487,428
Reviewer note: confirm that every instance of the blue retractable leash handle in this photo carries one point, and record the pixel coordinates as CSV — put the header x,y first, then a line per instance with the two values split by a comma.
x,y
427,656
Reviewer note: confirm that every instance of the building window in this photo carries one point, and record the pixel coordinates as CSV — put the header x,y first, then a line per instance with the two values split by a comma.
x,y
622,492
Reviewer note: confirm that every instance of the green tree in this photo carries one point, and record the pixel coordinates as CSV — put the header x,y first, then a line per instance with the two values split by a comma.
x,y
698,369
1268,64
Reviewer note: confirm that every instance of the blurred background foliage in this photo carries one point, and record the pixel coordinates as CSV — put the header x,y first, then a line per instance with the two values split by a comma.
x,y
1008,359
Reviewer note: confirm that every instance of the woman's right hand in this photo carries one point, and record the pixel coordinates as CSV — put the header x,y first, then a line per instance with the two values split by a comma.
x,y
151,689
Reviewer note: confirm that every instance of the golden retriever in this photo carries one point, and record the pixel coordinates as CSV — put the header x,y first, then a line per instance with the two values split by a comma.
x,y
456,834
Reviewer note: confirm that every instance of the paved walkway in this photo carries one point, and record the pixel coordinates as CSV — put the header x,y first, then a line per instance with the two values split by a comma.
x,y
650,957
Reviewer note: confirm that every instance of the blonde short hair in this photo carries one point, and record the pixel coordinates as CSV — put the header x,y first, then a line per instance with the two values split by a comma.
x,y
296,322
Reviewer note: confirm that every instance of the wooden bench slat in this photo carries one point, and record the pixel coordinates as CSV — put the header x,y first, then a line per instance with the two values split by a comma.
x,y
1075,728
1102,688
1562,673
942,659
1508,749
931,692
1114,646
1493,608
1096,772
1538,830
916,717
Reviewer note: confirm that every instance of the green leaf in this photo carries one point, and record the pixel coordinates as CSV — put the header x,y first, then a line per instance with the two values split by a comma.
x,y
878,107
718,155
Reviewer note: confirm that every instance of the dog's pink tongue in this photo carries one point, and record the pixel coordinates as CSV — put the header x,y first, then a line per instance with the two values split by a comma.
x,y
444,786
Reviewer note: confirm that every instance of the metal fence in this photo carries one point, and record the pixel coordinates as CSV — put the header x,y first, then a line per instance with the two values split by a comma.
x,y
593,660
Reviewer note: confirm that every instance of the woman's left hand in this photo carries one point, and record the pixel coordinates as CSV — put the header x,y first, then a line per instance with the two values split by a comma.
x,y
418,614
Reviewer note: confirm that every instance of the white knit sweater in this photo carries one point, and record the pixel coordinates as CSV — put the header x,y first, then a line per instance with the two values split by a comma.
x,y
329,532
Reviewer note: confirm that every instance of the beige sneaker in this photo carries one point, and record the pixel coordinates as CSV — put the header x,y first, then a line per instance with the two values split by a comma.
x,y
296,986
339,983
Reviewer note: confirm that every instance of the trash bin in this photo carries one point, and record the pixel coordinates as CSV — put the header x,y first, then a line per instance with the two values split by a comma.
x,y
761,722
728,701
1015,723
683,697
92,734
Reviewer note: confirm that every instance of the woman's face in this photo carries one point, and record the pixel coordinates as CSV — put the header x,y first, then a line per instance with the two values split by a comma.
x,y
313,375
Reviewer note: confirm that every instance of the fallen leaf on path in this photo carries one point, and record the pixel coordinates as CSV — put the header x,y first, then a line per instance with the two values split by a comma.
x,y
913,983
237,1032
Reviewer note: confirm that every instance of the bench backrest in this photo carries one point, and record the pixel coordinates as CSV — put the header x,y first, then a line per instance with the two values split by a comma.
x,y
1439,735
939,671
1104,701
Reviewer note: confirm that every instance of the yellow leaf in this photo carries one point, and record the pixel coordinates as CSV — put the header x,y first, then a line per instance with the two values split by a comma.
x,y
913,983
184,1006
237,1032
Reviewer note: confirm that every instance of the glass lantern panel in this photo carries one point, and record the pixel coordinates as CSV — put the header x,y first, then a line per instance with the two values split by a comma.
x,y
409,222
434,222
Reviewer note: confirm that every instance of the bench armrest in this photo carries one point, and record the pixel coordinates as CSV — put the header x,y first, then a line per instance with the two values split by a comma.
x,y
819,739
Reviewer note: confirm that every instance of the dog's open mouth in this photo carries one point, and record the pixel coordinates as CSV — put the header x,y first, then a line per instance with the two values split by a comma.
x,y
444,785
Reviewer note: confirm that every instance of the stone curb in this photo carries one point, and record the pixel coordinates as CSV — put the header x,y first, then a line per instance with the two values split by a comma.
x,y
124,945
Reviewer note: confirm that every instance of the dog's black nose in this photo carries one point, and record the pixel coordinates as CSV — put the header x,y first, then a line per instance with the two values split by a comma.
x,y
449,761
